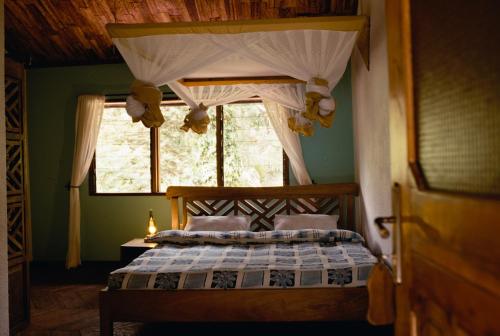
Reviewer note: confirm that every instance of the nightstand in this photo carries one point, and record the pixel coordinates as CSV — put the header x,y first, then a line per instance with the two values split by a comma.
x,y
134,248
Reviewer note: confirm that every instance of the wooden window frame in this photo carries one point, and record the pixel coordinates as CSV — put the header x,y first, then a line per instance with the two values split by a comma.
x,y
155,154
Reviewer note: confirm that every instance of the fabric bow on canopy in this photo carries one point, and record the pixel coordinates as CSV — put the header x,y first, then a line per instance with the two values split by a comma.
x,y
314,50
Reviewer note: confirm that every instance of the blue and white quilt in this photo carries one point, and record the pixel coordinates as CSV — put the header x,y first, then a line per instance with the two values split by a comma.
x,y
244,259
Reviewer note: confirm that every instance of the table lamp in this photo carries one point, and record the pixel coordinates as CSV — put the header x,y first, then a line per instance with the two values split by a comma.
x,y
152,228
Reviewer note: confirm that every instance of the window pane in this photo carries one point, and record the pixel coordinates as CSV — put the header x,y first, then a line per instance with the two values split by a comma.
x,y
186,158
253,155
123,156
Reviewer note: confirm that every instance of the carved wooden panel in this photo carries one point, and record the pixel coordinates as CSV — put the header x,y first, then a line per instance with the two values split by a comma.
x,y
15,167
17,197
16,231
262,211
263,203
13,105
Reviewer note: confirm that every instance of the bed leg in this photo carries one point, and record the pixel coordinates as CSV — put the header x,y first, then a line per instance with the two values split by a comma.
x,y
106,327
106,323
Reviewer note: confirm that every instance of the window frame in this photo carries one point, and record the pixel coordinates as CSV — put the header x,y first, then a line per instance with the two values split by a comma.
x,y
155,153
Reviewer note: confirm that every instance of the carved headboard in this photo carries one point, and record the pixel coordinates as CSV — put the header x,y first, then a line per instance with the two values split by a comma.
x,y
262,203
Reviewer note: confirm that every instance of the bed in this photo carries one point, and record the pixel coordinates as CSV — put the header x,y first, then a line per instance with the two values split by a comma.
x,y
257,275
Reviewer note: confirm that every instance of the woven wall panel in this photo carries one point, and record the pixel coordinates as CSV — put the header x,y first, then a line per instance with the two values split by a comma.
x,y
457,94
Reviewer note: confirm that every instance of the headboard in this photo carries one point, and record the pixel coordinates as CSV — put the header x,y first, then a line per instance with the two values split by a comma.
x,y
262,203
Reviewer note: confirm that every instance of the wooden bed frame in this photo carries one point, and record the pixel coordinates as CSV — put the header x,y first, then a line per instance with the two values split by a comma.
x,y
294,304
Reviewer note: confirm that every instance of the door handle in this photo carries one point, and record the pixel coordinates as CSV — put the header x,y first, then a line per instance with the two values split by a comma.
x,y
382,230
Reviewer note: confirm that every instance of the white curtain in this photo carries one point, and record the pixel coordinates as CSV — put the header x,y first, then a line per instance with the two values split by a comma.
x,y
211,95
288,95
302,54
200,98
308,55
291,96
87,122
318,57
278,115
159,59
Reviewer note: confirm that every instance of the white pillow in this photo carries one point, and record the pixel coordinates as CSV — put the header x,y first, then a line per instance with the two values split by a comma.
x,y
305,221
218,223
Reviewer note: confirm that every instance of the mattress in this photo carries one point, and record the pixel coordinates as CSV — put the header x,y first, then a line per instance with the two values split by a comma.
x,y
245,260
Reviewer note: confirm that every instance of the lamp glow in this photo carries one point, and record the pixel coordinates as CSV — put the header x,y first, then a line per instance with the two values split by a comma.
x,y
151,224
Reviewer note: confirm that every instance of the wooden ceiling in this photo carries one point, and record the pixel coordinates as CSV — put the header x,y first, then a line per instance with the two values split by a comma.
x,y
70,32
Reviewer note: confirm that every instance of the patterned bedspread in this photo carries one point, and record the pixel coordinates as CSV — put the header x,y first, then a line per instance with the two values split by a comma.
x,y
242,259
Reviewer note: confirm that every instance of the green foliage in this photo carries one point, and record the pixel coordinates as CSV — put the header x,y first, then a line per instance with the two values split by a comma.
x,y
186,158
122,152
252,152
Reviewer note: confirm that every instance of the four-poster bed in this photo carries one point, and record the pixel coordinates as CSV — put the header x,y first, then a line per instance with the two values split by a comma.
x,y
293,64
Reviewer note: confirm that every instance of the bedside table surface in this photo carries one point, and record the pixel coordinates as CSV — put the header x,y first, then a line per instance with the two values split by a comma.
x,y
139,242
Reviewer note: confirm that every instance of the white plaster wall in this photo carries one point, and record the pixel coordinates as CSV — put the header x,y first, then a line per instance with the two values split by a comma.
x,y
4,297
370,95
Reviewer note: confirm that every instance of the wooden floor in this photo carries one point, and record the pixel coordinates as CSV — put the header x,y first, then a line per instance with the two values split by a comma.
x,y
66,304
68,310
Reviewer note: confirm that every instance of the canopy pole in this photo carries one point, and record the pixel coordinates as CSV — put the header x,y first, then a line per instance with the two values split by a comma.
x,y
363,43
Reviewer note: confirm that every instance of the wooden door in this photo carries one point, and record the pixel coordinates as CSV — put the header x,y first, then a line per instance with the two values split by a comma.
x,y
444,74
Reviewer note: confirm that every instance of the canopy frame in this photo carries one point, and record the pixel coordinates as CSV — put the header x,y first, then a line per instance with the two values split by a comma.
x,y
360,23
240,80
311,51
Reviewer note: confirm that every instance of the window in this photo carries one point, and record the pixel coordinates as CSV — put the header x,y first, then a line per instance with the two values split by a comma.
x,y
186,158
123,149
239,149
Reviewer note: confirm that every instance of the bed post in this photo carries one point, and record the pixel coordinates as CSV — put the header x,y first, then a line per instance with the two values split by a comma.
x,y
106,323
350,213
174,208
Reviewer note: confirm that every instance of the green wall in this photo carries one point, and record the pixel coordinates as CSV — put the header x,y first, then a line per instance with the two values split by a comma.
x,y
329,153
108,221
